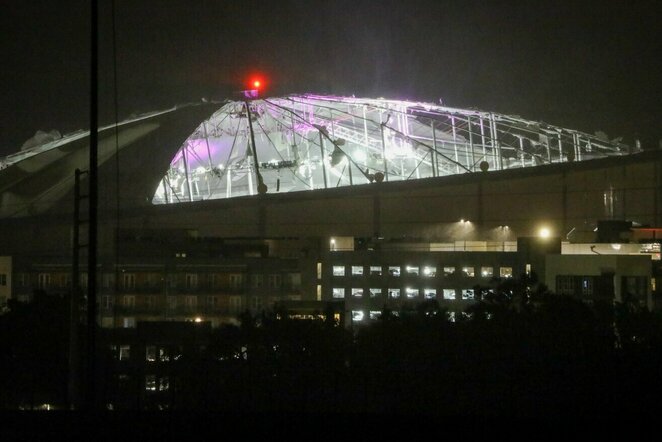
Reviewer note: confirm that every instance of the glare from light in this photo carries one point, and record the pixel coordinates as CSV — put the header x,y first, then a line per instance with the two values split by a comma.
x,y
198,319
616,246
544,232
360,156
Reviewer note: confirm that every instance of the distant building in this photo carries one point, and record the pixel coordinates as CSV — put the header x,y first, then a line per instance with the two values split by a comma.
x,y
367,203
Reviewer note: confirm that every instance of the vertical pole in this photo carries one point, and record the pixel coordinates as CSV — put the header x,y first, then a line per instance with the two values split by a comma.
x,y
211,166
482,136
91,399
471,144
228,187
74,311
165,190
457,158
322,158
521,150
260,183
381,127
365,127
560,148
435,166
186,173
495,142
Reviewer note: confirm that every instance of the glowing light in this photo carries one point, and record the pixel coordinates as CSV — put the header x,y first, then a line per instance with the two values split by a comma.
x,y
360,156
257,84
544,232
616,246
198,319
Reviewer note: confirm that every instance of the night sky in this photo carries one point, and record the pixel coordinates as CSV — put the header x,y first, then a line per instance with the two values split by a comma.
x,y
585,65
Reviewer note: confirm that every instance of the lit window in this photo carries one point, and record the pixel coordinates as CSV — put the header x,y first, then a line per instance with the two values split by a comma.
x,y
448,271
468,272
375,293
528,269
375,270
451,316
486,272
430,293
164,383
449,294
338,270
129,322
357,270
506,272
587,286
357,315
394,293
164,355
150,353
150,382
319,270
394,270
357,293
338,293
411,293
411,270
467,294
375,314
125,352
319,292
430,271
466,316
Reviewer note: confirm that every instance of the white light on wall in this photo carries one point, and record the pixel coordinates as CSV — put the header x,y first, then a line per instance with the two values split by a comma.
x,y
544,232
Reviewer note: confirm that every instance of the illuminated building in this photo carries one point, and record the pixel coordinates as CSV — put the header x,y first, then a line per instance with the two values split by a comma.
x,y
197,222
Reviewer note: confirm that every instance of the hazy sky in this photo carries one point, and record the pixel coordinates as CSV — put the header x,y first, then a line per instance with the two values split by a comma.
x,y
584,65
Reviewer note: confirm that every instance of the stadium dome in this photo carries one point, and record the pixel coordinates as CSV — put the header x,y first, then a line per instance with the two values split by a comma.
x,y
205,151
306,142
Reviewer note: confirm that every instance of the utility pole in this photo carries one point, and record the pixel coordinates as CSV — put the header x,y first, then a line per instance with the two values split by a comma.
x,y
90,397
74,387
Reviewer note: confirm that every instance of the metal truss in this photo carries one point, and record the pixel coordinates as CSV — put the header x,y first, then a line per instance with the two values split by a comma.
x,y
305,142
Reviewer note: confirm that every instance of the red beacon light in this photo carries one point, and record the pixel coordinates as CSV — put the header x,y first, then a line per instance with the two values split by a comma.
x,y
254,88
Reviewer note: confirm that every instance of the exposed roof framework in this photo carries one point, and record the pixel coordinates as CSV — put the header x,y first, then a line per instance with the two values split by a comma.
x,y
305,142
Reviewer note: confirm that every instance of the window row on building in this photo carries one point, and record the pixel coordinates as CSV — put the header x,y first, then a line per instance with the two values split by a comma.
x,y
422,271
374,315
448,294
